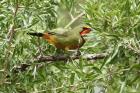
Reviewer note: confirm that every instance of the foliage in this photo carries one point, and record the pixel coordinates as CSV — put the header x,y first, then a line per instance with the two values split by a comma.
x,y
115,26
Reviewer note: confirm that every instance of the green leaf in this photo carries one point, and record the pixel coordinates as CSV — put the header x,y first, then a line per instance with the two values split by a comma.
x,y
72,77
97,70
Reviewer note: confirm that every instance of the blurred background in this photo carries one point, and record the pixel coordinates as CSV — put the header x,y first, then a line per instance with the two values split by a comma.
x,y
115,25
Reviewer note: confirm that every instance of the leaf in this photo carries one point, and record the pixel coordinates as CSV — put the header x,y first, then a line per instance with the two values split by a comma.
x,y
97,70
72,78
115,52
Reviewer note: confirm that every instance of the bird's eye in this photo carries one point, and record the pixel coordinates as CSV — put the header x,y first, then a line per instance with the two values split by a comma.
x,y
86,28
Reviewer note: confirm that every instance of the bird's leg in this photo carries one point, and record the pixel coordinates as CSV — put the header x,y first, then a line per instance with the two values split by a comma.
x,y
74,52
78,53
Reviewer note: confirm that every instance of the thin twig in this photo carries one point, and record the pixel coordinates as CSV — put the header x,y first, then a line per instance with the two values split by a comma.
x,y
11,32
74,19
10,36
132,47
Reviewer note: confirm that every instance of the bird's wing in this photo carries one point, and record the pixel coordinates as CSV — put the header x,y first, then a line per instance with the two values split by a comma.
x,y
58,32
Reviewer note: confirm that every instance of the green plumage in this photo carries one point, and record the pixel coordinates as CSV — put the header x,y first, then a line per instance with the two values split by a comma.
x,y
63,38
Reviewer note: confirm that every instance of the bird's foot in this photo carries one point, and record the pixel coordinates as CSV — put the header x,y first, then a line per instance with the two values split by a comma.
x,y
78,53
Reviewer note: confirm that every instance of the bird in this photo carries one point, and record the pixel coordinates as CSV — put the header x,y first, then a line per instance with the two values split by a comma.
x,y
65,39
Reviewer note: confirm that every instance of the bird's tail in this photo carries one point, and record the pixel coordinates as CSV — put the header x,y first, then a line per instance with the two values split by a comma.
x,y
36,34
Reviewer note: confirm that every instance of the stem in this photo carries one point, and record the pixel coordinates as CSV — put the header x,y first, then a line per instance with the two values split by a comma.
x,y
9,39
74,19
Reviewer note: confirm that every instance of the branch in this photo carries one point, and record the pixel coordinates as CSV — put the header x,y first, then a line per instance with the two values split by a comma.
x,y
129,44
12,29
74,19
11,32
53,59
135,50
9,39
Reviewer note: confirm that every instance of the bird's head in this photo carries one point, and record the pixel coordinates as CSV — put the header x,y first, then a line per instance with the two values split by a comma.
x,y
85,30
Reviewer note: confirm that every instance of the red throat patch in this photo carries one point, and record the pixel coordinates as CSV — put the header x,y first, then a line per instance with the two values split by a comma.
x,y
85,31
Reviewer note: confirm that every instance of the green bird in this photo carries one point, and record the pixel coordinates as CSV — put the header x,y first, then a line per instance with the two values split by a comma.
x,y
66,39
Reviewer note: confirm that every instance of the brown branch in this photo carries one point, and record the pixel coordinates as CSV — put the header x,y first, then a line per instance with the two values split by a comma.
x,y
12,29
11,32
9,39
53,59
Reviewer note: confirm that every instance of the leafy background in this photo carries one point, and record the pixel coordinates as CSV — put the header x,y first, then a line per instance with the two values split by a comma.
x,y
116,32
